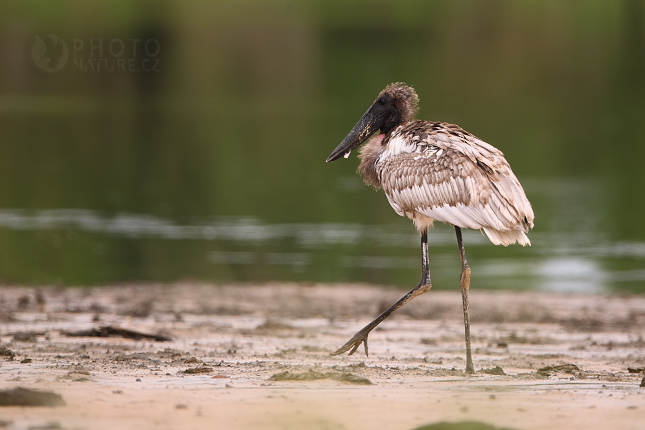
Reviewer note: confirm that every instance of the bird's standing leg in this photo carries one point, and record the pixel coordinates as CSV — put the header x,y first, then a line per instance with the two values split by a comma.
x,y
464,281
422,287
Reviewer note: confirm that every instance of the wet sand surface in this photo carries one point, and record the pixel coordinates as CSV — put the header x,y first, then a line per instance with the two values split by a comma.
x,y
257,357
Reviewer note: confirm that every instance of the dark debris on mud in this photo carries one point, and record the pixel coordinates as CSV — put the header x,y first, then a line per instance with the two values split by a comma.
x,y
562,368
25,397
314,375
493,371
113,331
463,425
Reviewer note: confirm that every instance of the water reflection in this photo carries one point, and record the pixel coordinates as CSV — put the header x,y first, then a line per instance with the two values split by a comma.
x,y
557,261
572,275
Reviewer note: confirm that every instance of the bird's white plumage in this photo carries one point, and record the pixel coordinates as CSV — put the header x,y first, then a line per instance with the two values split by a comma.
x,y
399,145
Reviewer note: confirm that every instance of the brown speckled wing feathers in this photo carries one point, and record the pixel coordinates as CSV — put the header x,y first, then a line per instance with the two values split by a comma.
x,y
454,177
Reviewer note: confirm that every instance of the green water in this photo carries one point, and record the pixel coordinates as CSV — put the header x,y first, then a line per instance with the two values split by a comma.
x,y
202,155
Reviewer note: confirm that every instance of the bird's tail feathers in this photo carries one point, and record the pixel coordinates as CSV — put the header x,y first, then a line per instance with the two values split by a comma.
x,y
507,237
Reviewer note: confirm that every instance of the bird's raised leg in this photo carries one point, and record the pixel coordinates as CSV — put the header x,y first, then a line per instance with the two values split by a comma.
x,y
422,287
464,281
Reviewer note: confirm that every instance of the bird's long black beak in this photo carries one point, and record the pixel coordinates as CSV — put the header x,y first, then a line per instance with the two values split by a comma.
x,y
371,121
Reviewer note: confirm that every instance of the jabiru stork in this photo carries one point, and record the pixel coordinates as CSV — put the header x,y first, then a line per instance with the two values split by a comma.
x,y
435,171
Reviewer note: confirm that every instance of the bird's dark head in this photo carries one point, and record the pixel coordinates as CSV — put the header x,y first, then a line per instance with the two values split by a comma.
x,y
395,105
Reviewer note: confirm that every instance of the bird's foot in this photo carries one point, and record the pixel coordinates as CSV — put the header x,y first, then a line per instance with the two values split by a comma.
x,y
354,343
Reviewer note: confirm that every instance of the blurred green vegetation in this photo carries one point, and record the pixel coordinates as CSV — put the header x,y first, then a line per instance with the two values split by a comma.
x,y
248,98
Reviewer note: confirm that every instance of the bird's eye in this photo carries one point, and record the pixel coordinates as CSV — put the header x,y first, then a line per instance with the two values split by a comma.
x,y
381,101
